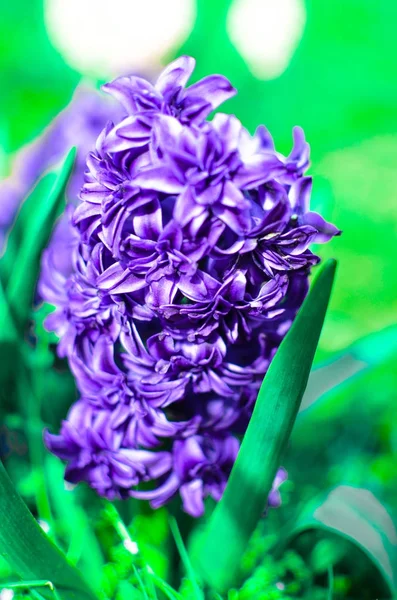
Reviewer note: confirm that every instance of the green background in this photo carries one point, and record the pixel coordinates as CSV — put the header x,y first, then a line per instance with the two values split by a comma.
x,y
341,87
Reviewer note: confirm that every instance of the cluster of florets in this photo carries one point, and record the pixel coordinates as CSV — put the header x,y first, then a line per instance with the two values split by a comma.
x,y
189,257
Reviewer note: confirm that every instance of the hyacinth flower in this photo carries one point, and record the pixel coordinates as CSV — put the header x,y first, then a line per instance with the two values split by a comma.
x,y
188,260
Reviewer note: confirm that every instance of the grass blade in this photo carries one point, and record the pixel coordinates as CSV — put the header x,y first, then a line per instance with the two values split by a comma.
x,y
140,583
164,587
32,585
185,559
30,553
330,595
218,553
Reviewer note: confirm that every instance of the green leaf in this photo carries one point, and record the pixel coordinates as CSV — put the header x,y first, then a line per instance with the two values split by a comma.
x,y
30,553
357,516
21,262
368,352
25,213
9,350
13,369
225,539
74,523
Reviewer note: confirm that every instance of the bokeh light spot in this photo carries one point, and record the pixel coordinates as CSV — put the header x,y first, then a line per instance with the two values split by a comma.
x,y
102,38
266,33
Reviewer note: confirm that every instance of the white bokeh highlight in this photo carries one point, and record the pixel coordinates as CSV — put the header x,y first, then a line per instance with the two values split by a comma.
x,y
103,38
266,33
44,525
131,546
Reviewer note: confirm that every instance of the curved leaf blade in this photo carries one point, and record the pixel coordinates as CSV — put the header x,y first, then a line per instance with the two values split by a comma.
x,y
368,352
28,550
25,259
219,551
20,224
356,515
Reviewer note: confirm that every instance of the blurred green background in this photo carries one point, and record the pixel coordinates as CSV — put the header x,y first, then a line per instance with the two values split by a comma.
x,y
329,66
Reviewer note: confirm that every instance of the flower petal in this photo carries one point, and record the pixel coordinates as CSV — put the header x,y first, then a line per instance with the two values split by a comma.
x,y
206,95
175,76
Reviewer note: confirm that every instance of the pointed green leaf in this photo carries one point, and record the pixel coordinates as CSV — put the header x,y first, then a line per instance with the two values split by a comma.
x,y
22,262
30,553
8,332
225,539
10,354
24,215
356,515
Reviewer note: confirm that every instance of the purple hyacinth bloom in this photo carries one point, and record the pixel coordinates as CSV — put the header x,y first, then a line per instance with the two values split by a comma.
x,y
189,258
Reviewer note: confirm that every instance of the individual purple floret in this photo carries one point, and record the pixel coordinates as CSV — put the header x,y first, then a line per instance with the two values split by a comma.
x,y
189,260
94,447
274,499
